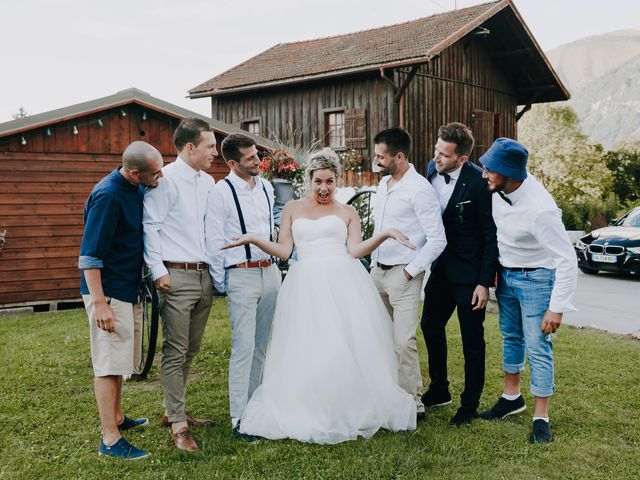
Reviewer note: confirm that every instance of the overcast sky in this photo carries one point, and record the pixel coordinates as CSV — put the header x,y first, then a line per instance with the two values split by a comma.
x,y
58,53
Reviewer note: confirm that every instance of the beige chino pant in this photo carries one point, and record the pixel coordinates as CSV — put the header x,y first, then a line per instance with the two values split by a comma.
x,y
184,310
402,299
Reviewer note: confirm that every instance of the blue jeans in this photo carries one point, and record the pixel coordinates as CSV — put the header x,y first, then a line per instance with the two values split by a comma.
x,y
523,298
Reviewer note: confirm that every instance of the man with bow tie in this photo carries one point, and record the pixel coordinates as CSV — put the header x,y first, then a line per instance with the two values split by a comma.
x,y
461,276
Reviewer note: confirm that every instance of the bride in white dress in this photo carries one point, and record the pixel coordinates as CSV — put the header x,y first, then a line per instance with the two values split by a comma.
x,y
330,373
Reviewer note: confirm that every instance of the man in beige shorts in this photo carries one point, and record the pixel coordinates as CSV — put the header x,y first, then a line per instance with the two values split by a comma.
x,y
111,263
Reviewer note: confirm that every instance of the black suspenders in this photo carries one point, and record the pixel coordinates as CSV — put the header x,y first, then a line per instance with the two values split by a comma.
x,y
243,227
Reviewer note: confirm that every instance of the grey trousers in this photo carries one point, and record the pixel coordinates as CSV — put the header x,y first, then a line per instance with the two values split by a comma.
x,y
251,298
184,310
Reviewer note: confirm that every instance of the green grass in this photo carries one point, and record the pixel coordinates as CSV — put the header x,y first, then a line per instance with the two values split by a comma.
x,y
49,426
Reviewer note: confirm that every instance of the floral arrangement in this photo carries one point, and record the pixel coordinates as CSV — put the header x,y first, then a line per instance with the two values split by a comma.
x,y
351,160
280,164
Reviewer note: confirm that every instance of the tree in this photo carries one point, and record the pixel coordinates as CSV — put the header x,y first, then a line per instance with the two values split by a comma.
x,y
625,169
561,156
21,113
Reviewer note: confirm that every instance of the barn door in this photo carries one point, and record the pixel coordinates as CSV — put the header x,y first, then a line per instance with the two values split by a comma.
x,y
486,127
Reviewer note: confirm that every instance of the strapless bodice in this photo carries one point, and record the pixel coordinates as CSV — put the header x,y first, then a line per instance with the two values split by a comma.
x,y
322,237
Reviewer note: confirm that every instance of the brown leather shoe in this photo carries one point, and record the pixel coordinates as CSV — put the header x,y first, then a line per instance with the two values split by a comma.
x,y
184,441
196,422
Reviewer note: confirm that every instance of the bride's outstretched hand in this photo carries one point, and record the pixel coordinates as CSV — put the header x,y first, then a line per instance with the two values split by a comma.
x,y
238,241
400,237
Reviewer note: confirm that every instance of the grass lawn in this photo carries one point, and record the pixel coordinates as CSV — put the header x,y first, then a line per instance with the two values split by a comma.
x,y
50,428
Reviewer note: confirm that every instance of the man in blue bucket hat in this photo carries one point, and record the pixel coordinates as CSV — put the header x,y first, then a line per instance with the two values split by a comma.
x,y
536,281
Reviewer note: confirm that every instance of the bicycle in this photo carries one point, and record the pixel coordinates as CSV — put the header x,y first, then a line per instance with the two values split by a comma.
x,y
143,357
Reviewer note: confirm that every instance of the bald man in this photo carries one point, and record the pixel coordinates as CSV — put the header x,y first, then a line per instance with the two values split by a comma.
x,y
111,262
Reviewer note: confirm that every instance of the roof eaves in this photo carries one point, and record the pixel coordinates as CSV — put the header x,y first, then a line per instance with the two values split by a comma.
x,y
306,78
466,29
563,88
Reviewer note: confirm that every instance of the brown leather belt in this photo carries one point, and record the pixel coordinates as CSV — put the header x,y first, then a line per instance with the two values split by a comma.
x,y
258,264
382,266
199,266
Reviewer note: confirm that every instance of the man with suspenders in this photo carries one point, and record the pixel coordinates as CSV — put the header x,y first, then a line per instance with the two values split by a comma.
x,y
242,203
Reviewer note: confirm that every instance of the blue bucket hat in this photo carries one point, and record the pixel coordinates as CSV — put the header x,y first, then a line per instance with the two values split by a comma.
x,y
507,157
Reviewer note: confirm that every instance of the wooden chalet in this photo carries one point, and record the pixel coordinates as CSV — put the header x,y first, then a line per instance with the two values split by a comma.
x,y
474,65
48,165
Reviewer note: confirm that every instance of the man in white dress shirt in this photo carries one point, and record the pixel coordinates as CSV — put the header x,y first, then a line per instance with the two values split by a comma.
x,y
174,250
405,200
243,203
536,282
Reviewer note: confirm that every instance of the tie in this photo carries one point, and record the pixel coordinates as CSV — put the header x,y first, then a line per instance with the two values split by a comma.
x,y
446,176
504,197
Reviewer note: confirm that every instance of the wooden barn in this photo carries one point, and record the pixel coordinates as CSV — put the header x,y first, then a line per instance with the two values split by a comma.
x,y
474,65
48,165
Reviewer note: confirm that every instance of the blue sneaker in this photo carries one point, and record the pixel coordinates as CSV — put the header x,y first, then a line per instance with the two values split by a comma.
x,y
130,423
122,449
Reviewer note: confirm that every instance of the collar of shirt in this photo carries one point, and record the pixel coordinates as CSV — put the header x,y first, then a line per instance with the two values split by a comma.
x,y
242,184
443,189
185,170
519,192
405,180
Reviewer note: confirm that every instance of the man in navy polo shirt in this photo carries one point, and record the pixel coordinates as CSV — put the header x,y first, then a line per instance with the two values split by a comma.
x,y
111,261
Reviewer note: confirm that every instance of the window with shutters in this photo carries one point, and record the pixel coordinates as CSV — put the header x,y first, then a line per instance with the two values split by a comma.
x,y
251,125
334,129
356,129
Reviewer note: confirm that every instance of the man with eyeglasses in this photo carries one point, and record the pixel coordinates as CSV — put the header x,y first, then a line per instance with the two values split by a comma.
x,y
537,280
460,278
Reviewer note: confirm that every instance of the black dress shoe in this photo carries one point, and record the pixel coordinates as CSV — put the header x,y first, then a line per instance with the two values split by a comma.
x,y
244,437
541,432
434,398
503,408
420,417
464,416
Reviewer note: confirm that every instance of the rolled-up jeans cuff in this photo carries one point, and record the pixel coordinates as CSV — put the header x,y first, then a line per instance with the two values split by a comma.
x,y
513,368
542,392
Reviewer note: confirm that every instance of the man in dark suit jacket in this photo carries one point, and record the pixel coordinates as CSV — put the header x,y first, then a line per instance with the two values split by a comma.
x,y
460,278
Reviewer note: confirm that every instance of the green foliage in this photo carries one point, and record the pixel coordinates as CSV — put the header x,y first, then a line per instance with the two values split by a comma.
x,y
578,215
625,169
561,156
50,425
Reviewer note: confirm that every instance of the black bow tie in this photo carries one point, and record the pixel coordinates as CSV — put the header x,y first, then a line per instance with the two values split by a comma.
x,y
446,176
504,197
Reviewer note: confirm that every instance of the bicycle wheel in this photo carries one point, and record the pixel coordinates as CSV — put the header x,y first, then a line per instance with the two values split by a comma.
x,y
148,329
363,203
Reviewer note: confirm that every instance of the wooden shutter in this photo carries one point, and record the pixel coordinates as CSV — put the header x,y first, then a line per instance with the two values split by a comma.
x,y
355,121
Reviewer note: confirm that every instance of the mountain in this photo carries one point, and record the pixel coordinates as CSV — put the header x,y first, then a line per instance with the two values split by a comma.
x,y
603,75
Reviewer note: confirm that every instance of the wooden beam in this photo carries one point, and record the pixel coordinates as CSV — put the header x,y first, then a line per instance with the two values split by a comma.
x,y
536,89
510,53
405,84
391,82
524,110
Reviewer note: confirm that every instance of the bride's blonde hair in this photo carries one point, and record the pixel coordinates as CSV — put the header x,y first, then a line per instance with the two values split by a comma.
x,y
325,159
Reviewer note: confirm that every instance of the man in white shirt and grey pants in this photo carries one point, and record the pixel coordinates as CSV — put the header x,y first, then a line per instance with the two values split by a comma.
x,y
174,250
536,282
405,200
243,203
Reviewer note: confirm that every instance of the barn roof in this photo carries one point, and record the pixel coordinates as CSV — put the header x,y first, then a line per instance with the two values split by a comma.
x,y
506,37
124,97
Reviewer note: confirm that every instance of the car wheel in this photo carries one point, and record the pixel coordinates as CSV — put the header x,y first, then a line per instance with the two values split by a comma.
x,y
588,271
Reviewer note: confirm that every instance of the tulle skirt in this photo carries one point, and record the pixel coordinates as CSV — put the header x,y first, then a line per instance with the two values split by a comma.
x,y
330,374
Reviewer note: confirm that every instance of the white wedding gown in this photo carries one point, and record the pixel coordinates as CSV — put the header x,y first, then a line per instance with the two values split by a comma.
x,y
330,374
